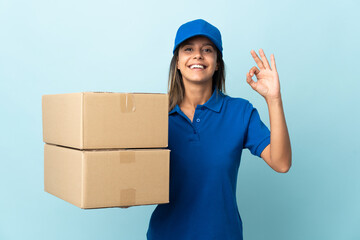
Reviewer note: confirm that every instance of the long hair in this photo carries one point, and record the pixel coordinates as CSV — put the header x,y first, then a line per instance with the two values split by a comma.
x,y
176,89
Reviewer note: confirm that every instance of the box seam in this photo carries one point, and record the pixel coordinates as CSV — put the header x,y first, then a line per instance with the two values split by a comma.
x,y
82,179
82,122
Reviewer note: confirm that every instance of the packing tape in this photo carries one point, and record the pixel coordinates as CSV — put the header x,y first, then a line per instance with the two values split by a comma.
x,y
127,156
127,197
127,103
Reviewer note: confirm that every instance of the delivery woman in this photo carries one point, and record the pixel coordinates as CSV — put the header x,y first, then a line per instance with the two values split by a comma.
x,y
207,132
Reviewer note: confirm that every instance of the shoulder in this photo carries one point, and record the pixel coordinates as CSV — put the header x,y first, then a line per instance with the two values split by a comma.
x,y
236,102
240,107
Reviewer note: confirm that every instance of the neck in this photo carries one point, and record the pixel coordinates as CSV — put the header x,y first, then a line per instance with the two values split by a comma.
x,y
196,94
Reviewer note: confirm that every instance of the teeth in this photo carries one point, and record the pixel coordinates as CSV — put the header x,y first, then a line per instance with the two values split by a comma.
x,y
197,66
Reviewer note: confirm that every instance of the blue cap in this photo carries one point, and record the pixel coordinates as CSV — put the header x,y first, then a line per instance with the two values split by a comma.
x,y
195,28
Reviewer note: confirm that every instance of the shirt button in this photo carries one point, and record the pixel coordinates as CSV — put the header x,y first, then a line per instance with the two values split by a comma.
x,y
198,120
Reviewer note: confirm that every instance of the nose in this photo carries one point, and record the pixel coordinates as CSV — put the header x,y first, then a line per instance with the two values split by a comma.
x,y
198,54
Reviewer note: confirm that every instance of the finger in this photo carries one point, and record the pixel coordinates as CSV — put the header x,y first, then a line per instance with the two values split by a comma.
x,y
257,59
273,65
254,70
250,81
264,59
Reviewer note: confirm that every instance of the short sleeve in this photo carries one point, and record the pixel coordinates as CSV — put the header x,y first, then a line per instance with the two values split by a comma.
x,y
257,134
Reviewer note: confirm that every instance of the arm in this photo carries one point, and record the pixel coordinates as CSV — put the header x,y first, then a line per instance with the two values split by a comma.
x,y
278,153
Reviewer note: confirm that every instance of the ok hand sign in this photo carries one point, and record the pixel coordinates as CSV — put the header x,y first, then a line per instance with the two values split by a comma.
x,y
267,84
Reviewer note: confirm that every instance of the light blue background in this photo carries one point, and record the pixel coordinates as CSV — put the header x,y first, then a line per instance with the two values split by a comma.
x,y
67,46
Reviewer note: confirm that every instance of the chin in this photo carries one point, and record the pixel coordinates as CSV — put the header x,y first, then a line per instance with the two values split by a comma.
x,y
199,79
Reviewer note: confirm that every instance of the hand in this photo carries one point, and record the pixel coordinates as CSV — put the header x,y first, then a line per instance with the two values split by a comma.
x,y
267,84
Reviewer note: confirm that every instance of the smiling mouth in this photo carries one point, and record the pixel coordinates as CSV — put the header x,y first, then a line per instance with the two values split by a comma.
x,y
197,67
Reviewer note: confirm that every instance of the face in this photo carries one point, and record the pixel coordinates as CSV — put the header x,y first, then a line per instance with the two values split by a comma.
x,y
197,60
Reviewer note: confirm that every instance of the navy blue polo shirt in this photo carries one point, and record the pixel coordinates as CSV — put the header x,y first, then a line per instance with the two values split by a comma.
x,y
204,161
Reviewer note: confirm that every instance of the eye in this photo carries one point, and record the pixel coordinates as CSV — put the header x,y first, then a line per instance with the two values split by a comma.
x,y
209,50
187,49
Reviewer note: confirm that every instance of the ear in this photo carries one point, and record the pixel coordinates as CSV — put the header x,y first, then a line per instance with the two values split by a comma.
x,y
217,67
177,63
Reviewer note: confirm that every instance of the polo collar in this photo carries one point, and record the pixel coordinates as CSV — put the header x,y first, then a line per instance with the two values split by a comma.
x,y
214,103
175,109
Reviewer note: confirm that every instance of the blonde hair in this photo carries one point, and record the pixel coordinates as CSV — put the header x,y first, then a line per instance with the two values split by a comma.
x,y
176,89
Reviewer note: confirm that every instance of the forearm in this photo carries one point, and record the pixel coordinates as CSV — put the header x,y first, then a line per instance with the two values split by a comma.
x,y
280,148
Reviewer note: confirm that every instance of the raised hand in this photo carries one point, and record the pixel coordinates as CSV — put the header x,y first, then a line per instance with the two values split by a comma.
x,y
267,84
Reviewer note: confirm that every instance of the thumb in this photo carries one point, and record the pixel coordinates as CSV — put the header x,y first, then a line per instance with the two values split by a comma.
x,y
250,81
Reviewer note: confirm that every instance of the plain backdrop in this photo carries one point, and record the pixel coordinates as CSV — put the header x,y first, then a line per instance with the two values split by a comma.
x,y
49,47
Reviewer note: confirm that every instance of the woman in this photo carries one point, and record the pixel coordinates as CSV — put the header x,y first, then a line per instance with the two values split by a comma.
x,y
207,132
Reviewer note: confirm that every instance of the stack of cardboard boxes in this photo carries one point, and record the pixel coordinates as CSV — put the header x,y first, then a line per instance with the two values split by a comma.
x,y
106,149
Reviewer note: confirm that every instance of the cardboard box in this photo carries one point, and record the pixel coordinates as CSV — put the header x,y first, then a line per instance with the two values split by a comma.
x,y
98,120
107,178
